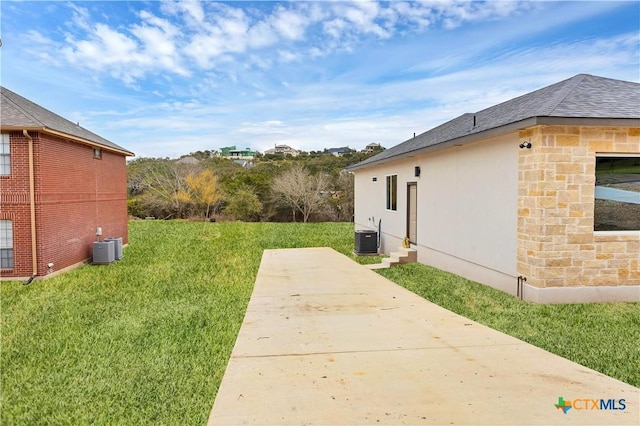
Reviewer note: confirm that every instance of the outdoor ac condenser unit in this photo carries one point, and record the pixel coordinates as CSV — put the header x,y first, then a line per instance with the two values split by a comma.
x,y
366,242
103,252
117,246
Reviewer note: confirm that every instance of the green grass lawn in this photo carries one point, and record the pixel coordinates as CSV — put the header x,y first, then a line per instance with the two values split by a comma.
x,y
604,336
146,339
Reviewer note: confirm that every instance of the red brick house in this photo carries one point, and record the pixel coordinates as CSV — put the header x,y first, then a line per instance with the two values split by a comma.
x,y
59,182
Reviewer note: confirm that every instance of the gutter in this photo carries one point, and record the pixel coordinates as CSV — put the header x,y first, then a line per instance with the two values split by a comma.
x,y
32,208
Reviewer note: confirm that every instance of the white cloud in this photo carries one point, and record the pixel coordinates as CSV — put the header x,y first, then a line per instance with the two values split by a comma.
x,y
288,23
269,127
105,50
159,37
194,8
413,14
320,115
261,35
335,27
362,16
288,56
191,11
207,35
80,17
312,75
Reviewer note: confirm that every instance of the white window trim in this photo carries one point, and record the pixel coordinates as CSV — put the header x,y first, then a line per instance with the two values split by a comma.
x,y
6,138
617,233
9,247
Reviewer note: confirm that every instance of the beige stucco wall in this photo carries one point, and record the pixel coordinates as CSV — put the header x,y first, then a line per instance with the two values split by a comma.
x,y
467,208
370,201
562,257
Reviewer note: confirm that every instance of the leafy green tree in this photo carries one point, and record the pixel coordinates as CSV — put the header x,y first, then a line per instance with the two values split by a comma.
x,y
244,205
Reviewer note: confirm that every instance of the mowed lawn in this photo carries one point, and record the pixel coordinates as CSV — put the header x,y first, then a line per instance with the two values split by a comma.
x,y
146,339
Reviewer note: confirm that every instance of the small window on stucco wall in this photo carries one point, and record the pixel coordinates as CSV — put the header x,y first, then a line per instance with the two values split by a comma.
x,y
392,192
617,193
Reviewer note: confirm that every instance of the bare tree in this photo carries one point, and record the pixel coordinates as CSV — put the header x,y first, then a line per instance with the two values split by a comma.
x,y
301,191
342,199
162,184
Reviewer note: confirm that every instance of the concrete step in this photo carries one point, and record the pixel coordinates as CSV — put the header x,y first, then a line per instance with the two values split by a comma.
x,y
391,261
410,254
403,255
377,266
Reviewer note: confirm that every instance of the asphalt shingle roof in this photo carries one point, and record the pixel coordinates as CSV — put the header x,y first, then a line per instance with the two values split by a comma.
x,y
19,112
582,96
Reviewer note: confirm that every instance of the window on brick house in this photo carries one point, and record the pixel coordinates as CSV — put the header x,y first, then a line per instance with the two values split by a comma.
x,y
617,193
6,244
97,153
392,192
5,156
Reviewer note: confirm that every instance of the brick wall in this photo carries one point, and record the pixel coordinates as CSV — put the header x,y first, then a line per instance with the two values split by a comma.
x,y
557,246
14,204
75,193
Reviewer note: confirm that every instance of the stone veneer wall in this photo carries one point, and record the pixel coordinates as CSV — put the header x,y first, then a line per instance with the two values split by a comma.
x,y
557,246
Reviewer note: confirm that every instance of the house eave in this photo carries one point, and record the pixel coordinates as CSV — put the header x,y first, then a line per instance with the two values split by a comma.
x,y
70,137
508,128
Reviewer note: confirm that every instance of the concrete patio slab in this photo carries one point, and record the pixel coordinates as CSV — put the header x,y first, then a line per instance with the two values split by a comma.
x,y
328,341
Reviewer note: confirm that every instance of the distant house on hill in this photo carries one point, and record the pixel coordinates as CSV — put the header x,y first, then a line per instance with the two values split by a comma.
x,y
538,196
59,183
373,147
232,153
188,160
339,152
282,150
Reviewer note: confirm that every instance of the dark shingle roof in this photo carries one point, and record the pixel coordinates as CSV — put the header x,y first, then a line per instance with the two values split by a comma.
x,y
17,112
582,96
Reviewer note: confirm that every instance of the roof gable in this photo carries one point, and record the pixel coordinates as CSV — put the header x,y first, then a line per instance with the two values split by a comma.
x,y
582,96
20,113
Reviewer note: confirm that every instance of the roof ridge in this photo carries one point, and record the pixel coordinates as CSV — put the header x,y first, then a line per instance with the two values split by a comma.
x,y
18,107
569,86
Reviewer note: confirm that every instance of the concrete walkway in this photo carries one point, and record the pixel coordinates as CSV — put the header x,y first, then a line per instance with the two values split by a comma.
x,y
327,341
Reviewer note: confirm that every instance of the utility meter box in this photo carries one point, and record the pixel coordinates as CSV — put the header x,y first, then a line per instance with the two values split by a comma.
x,y
104,252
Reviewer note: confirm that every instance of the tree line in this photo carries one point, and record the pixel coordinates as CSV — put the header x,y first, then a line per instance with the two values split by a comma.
x,y
309,187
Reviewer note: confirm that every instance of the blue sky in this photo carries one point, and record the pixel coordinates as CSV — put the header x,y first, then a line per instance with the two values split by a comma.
x,y
165,78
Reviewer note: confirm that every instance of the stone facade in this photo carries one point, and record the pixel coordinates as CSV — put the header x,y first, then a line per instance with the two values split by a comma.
x,y
557,245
